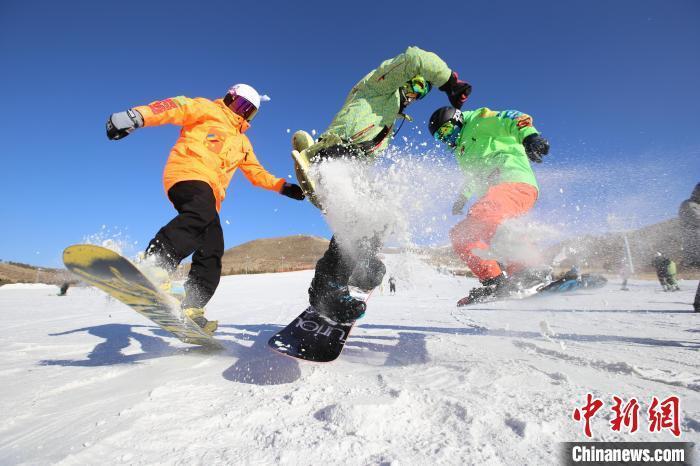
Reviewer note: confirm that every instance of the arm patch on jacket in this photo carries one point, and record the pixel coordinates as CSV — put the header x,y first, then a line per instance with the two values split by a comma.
x,y
168,104
522,120
162,106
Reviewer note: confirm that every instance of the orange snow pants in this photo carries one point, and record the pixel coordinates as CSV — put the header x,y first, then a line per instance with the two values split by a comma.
x,y
501,202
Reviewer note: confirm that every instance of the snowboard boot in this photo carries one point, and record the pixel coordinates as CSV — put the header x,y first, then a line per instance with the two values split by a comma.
x,y
495,287
196,314
335,302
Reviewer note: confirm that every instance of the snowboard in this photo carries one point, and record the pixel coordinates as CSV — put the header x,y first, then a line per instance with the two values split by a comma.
x,y
562,285
118,277
572,284
301,140
312,337
315,337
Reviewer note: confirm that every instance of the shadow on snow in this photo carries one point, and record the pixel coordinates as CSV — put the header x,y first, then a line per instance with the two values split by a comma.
x,y
117,337
257,364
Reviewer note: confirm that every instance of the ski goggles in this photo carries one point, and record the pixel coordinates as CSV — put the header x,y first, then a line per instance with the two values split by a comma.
x,y
243,107
448,133
418,86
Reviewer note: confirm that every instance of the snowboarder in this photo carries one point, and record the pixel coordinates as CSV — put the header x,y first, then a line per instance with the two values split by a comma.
x,y
689,215
362,129
392,285
665,272
63,289
211,146
494,150
671,273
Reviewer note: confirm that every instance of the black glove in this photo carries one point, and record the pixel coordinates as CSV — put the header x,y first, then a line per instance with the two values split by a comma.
x,y
457,91
535,147
458,206
121,124
292,190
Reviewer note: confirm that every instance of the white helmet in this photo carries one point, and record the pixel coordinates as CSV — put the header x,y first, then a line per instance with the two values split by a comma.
x,y
243,100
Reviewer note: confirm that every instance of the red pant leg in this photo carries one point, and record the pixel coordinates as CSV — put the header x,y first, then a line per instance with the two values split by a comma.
x,y
501,202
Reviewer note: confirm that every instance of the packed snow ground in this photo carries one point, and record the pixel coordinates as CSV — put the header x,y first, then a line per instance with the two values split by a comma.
x,y
86,380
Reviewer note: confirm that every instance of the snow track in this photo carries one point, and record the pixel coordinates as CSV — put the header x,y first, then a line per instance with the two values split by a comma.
x,y
86,380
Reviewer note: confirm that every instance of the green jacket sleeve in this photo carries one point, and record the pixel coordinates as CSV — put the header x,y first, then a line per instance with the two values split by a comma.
x,y
505,123
393,73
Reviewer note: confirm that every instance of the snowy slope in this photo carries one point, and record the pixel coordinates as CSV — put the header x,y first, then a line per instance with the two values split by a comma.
x,y
85,380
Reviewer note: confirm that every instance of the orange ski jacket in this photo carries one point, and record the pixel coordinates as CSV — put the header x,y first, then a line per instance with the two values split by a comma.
x,y
211,145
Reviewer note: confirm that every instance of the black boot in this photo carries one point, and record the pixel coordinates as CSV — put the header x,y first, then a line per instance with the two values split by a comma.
x,y
496,287
335,302
368,275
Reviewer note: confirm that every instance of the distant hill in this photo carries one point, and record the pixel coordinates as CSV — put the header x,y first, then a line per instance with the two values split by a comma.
x,y
599,253
15,272
606,252
281,254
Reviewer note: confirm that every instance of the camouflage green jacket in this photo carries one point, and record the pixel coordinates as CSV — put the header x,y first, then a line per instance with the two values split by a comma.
x,y
374,102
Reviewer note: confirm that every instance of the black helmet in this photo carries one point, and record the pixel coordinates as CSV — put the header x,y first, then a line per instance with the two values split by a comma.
x,y
441,116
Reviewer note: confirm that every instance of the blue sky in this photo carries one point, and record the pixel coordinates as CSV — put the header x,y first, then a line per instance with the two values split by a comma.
x,y
613,85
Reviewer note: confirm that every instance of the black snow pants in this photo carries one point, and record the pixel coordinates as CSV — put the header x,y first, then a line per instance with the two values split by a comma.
x,y
355,262
196,229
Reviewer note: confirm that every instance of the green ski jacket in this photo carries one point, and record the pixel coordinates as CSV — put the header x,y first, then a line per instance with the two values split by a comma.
x,y
489,149
373,104
672,269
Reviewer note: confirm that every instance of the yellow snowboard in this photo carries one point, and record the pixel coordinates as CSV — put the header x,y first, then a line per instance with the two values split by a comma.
x,y
118,277
301,141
